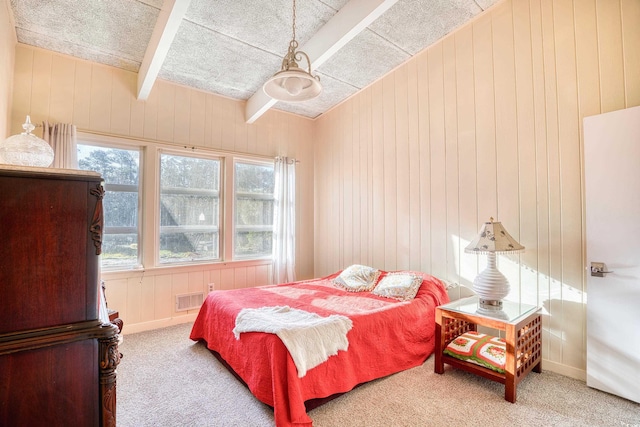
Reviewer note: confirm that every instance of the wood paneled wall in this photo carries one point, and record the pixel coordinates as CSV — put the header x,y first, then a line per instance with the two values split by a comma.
x,y
101,99
7,58
146,299
485,123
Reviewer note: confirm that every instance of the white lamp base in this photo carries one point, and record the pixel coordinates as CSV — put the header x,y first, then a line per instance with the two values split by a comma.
x,y
492,311
491,285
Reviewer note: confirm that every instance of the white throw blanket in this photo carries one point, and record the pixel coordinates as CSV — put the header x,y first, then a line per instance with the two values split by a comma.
x,y
310,338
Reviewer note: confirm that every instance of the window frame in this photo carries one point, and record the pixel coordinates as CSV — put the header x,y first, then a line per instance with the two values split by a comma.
x,y
149,191
221,205
102,143
246,160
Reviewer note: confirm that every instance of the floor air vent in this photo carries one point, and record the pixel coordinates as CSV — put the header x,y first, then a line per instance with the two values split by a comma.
x,y
190,301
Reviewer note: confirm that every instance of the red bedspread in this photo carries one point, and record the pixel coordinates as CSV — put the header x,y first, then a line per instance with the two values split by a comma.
x,y
388,336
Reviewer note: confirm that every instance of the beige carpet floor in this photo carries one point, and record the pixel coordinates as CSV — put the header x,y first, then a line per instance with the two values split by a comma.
x,y
165,379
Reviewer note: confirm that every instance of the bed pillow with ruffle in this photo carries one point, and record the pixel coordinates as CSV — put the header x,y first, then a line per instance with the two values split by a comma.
x,y
357,278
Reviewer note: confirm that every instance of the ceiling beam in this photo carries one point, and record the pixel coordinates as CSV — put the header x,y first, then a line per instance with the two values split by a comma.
x,y
354,17
163,34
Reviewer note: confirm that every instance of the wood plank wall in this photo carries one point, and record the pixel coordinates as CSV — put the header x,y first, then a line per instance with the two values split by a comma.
x,y
7,58
485,123
101,100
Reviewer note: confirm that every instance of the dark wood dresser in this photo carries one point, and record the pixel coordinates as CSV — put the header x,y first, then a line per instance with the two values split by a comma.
x,y
57,359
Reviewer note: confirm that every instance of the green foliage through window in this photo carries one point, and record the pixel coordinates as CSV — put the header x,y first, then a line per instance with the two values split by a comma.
x,y
120,169
191,201
189,209
254,185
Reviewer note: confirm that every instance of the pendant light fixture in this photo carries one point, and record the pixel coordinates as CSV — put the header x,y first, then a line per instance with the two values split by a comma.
x,y
292,83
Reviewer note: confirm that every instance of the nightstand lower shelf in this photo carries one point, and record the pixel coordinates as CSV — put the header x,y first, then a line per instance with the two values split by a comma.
x,y
523,337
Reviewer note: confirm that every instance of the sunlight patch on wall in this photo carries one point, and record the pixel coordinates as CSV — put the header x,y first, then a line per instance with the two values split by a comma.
x,y
527,285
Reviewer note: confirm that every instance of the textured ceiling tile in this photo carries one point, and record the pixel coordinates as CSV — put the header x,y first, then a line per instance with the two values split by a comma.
x,y
84,52
155,3
209,61
302,109
264,24
115,28
335,4
232,47
413,25
362,61
485,4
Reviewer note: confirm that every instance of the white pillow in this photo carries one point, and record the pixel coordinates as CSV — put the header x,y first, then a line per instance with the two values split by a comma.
x,y
400,286
357,278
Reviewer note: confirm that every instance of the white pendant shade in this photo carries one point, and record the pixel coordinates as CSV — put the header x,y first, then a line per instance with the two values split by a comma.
x,y
292,85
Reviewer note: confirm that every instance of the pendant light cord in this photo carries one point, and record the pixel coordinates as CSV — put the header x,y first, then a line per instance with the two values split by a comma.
x,y
294,19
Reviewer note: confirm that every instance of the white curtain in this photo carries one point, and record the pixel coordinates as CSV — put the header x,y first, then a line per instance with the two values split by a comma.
x,y
62,138
284,221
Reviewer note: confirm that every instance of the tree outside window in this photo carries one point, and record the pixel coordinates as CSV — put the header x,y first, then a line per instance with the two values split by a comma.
x,y
120,169
191,199
189,209
254,186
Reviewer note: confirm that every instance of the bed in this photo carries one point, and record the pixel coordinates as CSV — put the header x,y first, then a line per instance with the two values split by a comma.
x,y
385,336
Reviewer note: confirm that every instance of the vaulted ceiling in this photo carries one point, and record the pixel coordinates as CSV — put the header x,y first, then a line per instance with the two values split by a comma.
x,y
231,47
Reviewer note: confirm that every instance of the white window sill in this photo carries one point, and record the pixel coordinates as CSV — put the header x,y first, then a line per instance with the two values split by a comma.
x,y
182,268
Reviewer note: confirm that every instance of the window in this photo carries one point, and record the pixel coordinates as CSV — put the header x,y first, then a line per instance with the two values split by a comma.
x,y
120,169
200,206
189,209
253,225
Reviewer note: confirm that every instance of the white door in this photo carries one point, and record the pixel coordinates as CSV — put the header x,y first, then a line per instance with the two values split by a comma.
x,y
612,183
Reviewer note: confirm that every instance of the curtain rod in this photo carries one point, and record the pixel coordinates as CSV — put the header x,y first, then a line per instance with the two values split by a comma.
x,y
175,144
289,160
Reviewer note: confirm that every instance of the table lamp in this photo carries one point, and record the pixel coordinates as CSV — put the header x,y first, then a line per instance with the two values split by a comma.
x,y
491,285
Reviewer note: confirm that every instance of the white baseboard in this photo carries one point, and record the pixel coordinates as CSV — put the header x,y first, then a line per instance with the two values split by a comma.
x,y
567,371
547,365
157,324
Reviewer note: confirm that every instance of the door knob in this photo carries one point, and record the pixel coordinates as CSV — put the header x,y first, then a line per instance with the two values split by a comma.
x,y
599,269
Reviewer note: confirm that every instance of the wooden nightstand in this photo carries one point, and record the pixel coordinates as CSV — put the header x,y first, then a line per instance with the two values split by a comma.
x,y
521,324
114,317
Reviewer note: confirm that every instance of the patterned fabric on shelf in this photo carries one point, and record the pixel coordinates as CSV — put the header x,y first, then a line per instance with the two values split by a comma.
x,y
481,349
